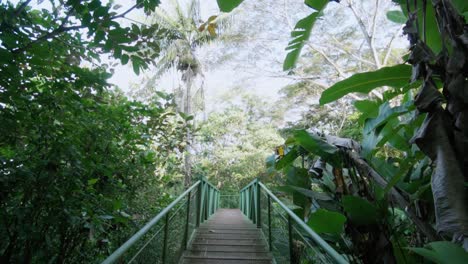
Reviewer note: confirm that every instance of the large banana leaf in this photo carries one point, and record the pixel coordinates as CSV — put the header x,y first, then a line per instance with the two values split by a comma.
x,y
301,33
394,76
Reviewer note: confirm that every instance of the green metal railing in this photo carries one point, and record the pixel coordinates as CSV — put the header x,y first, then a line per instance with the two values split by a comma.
x,y
289,239
166,236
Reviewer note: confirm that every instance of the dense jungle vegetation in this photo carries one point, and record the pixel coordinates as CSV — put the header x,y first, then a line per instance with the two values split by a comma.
x,y
366,140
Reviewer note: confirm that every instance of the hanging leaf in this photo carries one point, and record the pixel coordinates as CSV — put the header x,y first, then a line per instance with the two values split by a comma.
x,y
301,33
434,138
297,177
396,16
315,145
394,76
360,211
228,5
324,221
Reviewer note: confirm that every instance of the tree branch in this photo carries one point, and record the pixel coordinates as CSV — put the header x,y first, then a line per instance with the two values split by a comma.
x,y
366,170
21,7
389,46
344,50
126,12
366,34
337,68
46,36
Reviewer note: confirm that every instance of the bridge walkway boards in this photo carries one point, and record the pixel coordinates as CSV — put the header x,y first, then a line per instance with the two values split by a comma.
x,y
227,238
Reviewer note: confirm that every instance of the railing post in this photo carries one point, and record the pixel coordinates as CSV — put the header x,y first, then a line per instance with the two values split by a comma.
x,y
199,201
254,204
208,205
240,202
291,251
259,209
166,231
212,200
187,221
269,224
249,204
206,190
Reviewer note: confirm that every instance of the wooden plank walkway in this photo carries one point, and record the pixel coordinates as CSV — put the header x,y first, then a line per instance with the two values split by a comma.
x,y
227,237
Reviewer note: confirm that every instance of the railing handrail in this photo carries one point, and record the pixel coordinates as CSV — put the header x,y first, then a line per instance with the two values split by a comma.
x,y
317,239
132,240
322,243
248,185
209,183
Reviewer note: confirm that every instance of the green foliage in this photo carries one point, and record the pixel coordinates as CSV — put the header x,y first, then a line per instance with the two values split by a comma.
x,y
78,161
313,144
394,76
359,210
301,33
324,221
396,16
432,34
443,252
236,141
228,5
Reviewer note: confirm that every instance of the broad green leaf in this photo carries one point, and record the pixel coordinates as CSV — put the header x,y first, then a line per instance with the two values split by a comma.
x,y
433,38
297,177
287,159
301,33
124,59
316,4
394,76
368,109
404,167
360,211
386,112
391,133
324,221
136,67
369,142
228,5
397,16
315,145
384,168
443,252
462,7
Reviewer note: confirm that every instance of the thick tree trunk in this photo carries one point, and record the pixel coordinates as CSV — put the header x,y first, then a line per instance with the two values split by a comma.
x,y
188,111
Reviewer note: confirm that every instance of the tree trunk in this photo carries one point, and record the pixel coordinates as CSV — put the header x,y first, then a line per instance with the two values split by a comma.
x,y
188,111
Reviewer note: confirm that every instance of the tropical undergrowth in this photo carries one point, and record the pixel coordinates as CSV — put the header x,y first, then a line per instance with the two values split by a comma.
x,y
399,195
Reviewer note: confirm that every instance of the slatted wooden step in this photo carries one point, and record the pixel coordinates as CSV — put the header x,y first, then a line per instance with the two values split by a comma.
x,y
224,261
227,238
230,248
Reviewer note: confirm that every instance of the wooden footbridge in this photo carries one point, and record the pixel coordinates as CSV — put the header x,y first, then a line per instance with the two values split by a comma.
x,y
204,226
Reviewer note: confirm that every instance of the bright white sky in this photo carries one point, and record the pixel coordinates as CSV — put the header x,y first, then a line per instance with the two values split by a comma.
x,y
253,64
219,78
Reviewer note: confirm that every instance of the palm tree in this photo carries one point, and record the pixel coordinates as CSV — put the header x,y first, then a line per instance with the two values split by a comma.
x,y
185,33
